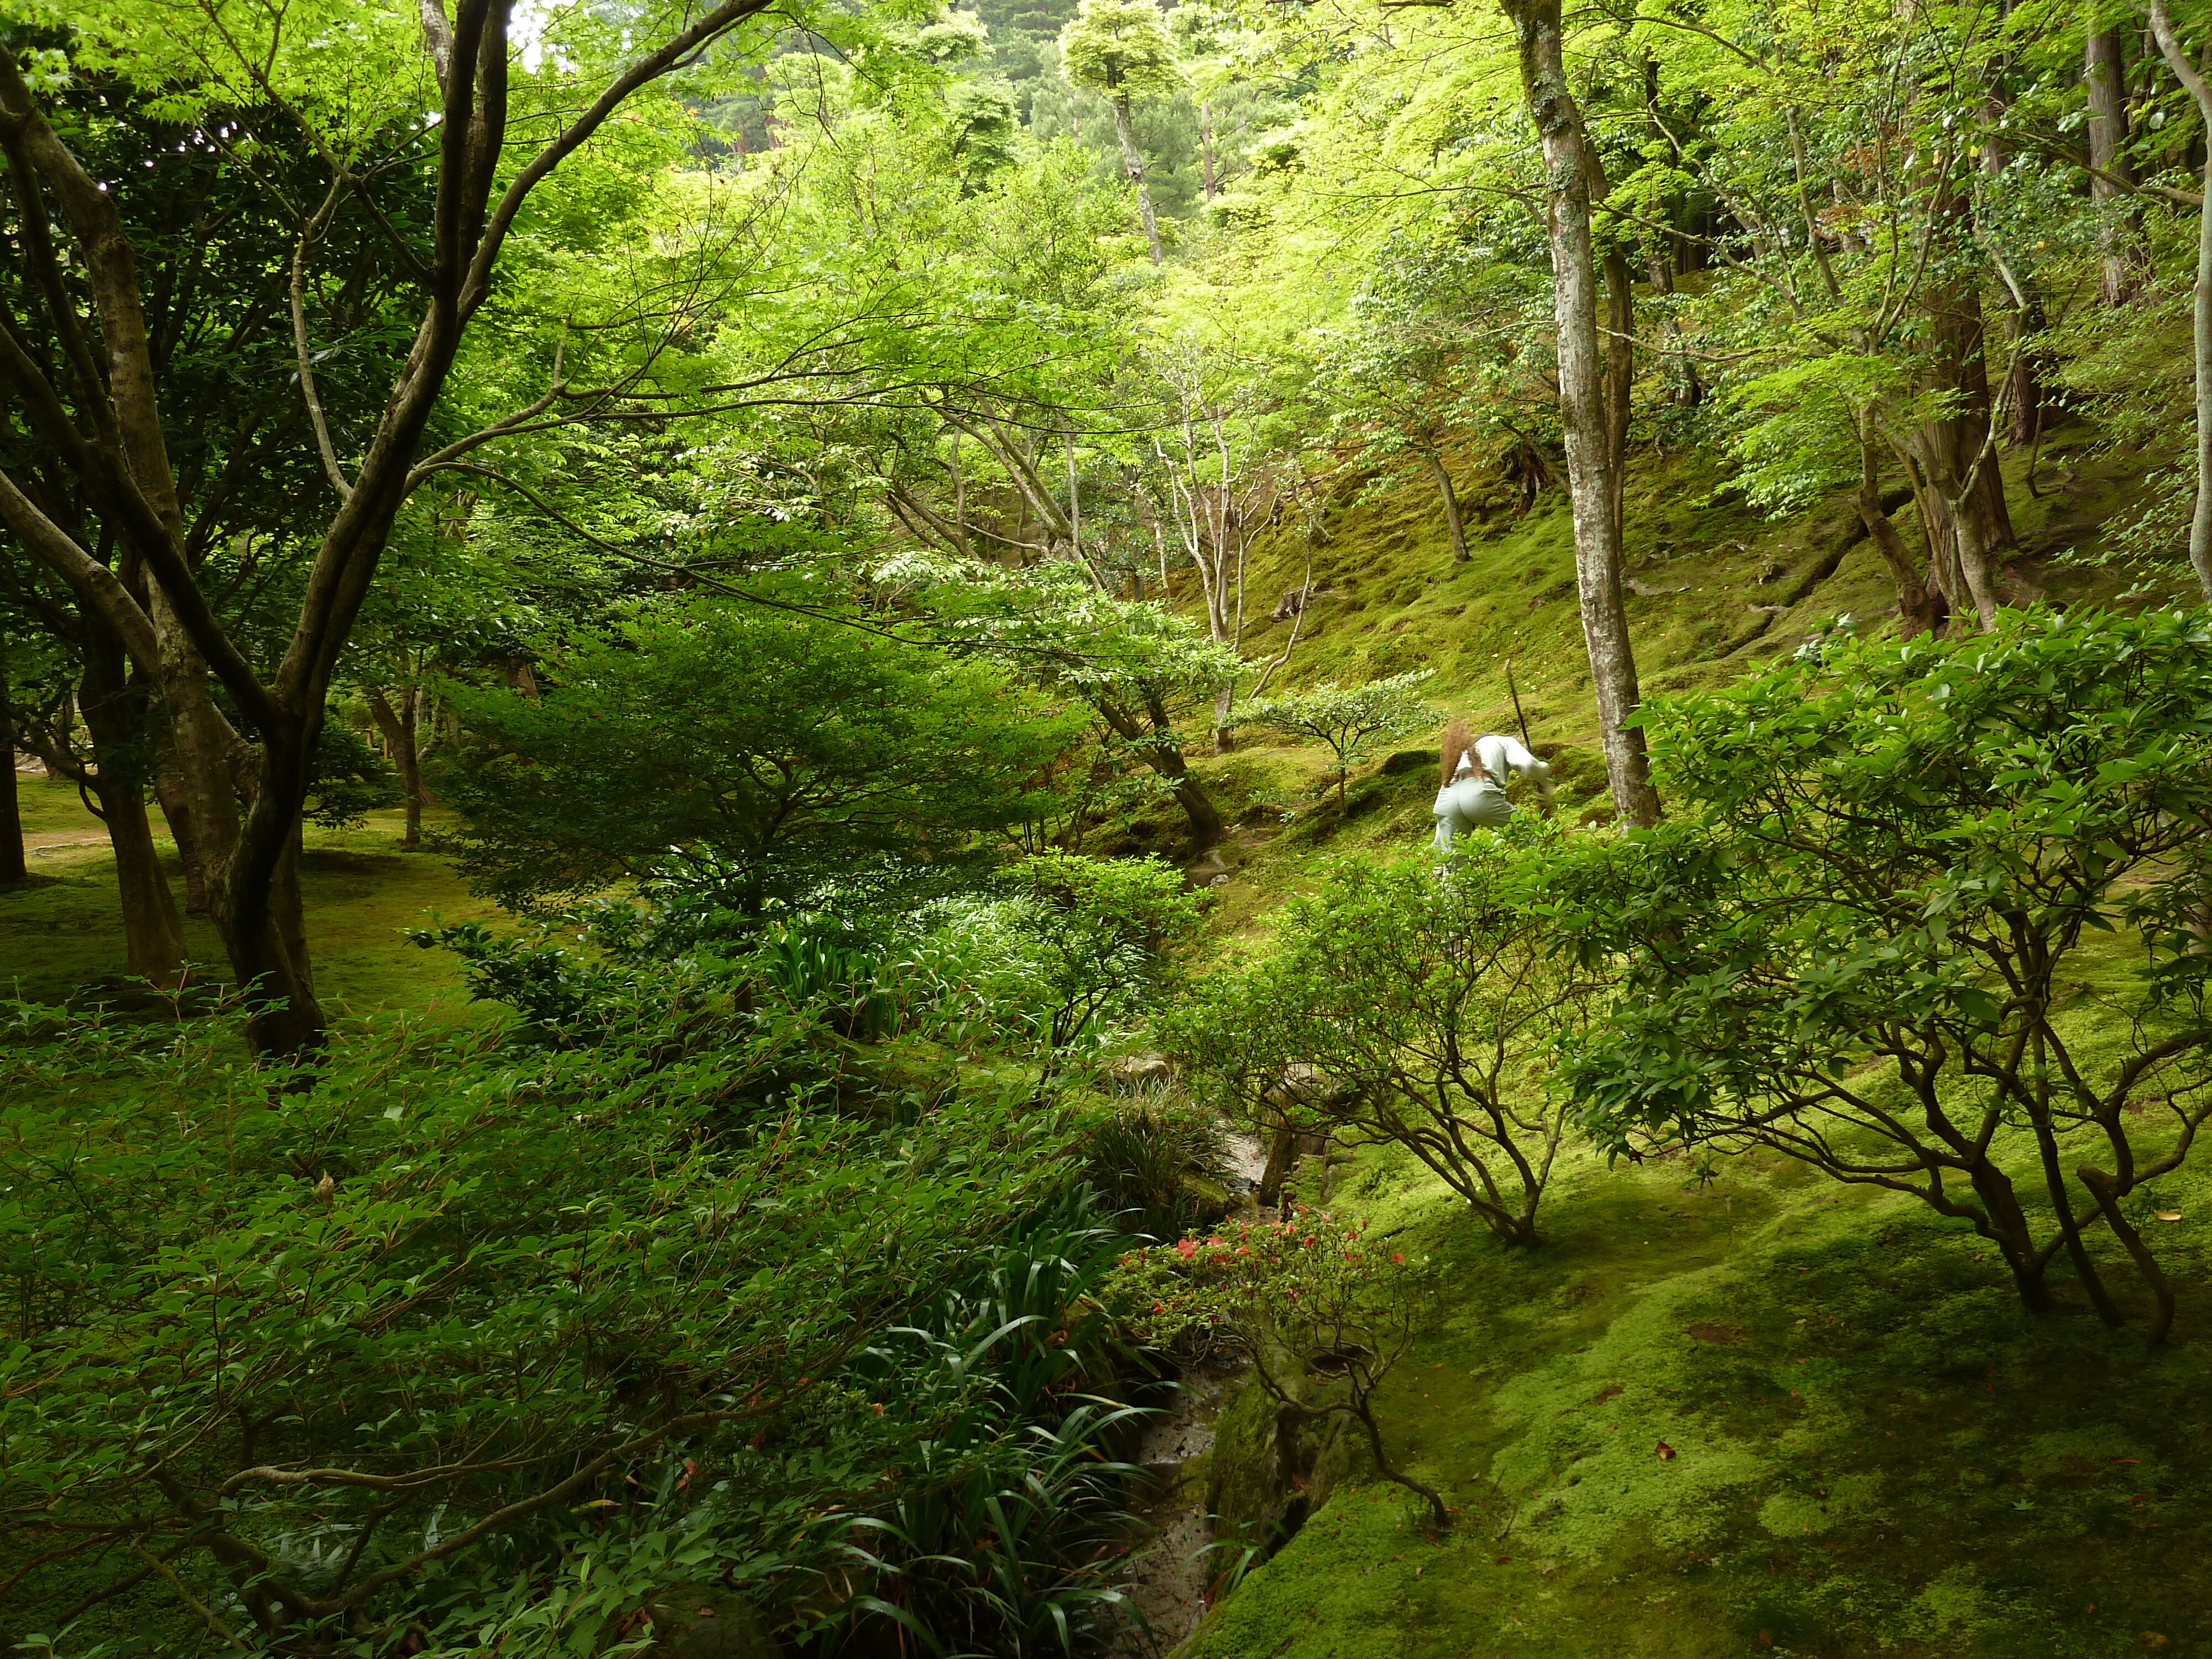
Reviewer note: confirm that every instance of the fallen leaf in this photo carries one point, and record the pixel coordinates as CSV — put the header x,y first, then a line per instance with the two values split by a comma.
x,y
1607,1392
2166,1215
1665,1451
2151,1638
1706,1330
2130,1462
2141,1498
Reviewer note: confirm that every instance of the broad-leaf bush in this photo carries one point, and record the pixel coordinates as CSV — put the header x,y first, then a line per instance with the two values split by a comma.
x,y
1894,886
1423,1002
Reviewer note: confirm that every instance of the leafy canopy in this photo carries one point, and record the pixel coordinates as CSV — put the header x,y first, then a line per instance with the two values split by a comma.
x,y
1120,48
775,740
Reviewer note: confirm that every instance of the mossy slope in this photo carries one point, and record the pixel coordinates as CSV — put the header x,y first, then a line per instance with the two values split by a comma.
x,y
1874,1450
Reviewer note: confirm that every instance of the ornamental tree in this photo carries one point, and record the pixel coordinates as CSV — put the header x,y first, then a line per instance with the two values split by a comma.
x,y
1425,1007
1120,48
1349,720
1933,920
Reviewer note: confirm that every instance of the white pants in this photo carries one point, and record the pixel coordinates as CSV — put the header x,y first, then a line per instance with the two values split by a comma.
x,y
1468,803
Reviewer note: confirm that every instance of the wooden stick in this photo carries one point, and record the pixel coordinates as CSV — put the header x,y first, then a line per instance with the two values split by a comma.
x,y
1517,714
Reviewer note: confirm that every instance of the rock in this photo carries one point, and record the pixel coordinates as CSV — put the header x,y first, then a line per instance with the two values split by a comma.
x,y
710,1625
1294,600
1134,1073
1644,590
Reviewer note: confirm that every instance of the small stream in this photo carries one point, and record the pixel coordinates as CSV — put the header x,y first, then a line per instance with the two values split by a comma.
x,y
1169,1573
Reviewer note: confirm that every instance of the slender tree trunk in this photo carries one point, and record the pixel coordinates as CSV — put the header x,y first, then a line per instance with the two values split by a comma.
x,y
2107,1193
176,807
2104,76
2009,1225
1159,751
1593,429
13,866
153,935
1206,146
1957,449
12,852
400,728
1452,507
1915,605
1133,164
2200,526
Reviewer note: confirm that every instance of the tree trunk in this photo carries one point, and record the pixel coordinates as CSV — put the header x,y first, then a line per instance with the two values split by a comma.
x,y
1133,164
13,866
1915,605
2200,525
2107,1193
1594,423
1206,146
1160,752
153,935
401,733
2104,76
255,903
199,793
1452,521
1958,450
2009,1233
176,807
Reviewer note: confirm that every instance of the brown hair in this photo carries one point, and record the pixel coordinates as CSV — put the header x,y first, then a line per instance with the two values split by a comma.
x,y
1455,743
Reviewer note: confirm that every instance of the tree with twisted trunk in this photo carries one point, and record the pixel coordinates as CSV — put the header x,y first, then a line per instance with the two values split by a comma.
x,y
85,375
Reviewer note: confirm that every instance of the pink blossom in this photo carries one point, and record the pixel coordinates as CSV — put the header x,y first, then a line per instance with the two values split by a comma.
x,y
1397,1256
1185,1248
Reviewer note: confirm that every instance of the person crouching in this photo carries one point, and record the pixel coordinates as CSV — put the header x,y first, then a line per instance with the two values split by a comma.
x,y
1475,774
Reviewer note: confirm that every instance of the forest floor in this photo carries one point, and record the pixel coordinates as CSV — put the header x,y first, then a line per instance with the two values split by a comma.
x,y
1875,1449
59,937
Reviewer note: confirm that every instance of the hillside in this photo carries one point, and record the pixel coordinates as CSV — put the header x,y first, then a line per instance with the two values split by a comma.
x,y
1737,1410
1716,589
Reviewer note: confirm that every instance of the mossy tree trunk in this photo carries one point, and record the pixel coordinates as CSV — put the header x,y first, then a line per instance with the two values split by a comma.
x,y
1133,163
1593,386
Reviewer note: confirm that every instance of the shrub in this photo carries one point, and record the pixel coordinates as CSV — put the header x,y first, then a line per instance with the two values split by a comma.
x,y
1426,1002
1886,875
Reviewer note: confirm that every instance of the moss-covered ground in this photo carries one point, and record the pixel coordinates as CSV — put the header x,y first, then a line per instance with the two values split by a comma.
x,y
60,937
1874,1449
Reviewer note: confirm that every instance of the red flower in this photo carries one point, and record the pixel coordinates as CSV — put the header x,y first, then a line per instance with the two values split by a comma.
x,y
1397,1256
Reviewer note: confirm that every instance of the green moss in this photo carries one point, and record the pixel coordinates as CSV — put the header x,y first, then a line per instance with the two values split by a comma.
x,y
60,933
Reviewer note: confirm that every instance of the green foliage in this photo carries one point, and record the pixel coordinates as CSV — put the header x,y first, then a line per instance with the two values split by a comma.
x,y
382,1341
1886,875
1423,1005
1163,1164
775,740
1350,720
1120,48
1102,932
